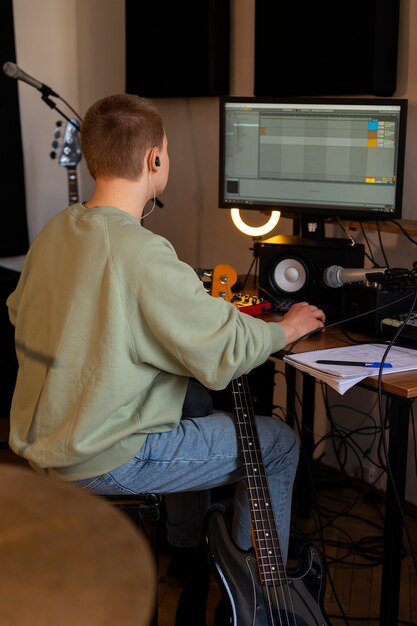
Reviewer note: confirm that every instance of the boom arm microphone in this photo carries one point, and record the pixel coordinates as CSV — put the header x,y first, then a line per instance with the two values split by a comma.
x,y
13,71
336,276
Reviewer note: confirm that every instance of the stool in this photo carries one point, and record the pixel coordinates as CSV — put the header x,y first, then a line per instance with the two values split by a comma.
x,y
142,507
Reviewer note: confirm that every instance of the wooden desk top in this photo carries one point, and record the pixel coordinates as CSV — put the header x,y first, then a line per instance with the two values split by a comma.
x,y
403,384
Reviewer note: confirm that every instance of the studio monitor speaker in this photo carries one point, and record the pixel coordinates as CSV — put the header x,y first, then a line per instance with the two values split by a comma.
x,y
292,268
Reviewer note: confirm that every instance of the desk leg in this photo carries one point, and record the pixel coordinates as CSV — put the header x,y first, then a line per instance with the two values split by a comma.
x,y
307,442
393,529
290,379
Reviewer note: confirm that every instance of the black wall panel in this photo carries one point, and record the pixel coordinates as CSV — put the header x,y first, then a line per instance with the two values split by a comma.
x,y
8,359
177,49
306,47
13,233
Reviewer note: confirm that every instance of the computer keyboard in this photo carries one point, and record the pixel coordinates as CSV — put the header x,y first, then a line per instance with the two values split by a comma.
x,y
282,305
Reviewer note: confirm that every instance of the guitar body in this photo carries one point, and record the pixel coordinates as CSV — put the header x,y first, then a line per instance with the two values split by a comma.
x,y
253,604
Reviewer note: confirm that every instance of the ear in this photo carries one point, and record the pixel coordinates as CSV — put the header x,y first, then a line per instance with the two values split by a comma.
x,y
153,160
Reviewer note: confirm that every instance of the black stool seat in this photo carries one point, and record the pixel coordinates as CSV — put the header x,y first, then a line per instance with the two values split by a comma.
x,y
145,505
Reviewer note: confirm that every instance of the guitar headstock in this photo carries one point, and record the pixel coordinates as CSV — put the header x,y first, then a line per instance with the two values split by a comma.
x,y
70,149
223,279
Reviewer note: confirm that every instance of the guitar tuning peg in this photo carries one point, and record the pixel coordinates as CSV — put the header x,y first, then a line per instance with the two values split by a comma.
x,y
57,133
59,123
55,144
52,155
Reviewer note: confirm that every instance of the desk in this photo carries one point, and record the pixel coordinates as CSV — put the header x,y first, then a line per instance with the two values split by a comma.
x,y
401,388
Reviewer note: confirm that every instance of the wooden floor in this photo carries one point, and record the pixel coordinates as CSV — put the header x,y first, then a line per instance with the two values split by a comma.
x,y
352,526
352,529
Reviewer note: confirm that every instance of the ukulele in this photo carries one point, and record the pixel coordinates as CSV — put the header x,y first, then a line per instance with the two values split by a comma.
x,y
70,155
255,583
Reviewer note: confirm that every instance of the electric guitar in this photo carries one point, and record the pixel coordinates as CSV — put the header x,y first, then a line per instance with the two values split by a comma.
x,y
70,155
255,584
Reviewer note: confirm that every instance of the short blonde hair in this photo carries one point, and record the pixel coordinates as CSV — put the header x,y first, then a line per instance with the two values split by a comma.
x,y
116,133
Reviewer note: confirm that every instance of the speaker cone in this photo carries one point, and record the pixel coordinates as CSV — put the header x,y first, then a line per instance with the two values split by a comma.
x,y
290,275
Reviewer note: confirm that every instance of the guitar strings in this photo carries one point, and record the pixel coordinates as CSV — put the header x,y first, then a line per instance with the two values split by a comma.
x,y
253,450
249,436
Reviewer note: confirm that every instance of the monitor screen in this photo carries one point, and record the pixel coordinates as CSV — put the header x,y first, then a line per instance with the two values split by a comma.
x,y
329,157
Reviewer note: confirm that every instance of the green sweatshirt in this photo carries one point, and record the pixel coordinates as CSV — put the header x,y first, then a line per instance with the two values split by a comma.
x,y
109,327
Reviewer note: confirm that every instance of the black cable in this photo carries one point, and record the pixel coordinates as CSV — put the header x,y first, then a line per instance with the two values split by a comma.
x,y
384,443
349,319
255,262
403,230
380,412
53,105
363,618
366,618
314,496
370,256
355,340
77,115
370,553
319,529
357,430
414,438
348,234
333,434
381,245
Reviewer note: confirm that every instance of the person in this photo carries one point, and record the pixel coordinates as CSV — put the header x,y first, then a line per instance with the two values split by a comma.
x,y
111,327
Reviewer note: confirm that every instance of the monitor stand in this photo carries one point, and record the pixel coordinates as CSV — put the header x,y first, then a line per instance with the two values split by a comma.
x,y
311,227
310,230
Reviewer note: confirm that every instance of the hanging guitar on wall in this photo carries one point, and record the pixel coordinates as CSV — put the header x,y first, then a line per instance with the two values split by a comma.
x,y
255,584
69,154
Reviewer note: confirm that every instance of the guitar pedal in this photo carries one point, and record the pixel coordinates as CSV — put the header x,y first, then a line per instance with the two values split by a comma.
x,y
252,305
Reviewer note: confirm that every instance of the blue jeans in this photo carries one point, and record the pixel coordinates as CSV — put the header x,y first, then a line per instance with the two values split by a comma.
x,y
199,454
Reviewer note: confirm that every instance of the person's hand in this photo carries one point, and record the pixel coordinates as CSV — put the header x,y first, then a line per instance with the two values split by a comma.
x,y
301,319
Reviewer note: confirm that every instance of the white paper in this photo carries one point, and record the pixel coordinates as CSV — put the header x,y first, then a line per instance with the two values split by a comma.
x,y
343,377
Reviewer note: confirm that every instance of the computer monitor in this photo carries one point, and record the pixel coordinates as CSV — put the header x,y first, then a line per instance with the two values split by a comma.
x,y
313,158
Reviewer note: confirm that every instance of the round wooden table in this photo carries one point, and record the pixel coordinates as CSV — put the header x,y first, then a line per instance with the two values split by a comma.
x,y
68,558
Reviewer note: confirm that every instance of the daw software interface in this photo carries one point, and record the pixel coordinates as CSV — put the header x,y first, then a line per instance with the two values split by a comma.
x,y
334,157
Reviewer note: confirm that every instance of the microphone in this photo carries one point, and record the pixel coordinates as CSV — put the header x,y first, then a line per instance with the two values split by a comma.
x,y
13,71
336,276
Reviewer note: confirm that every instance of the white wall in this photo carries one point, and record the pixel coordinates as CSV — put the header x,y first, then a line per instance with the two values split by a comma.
x,y
77,48
47,49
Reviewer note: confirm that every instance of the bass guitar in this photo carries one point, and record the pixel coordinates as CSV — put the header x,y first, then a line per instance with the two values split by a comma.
x,y
70,155
255,584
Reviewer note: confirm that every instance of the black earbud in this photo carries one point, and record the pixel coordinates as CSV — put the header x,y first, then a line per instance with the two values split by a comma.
x,y
157,161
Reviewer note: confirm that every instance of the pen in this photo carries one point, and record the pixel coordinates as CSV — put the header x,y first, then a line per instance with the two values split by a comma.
x,y
357,363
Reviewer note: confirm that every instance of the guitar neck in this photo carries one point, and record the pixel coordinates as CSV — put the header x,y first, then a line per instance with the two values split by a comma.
x,y
72,185
264,531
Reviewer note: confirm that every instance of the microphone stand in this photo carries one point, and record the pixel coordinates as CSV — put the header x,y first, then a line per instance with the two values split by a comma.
x,y
255,262
47,92
52,105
